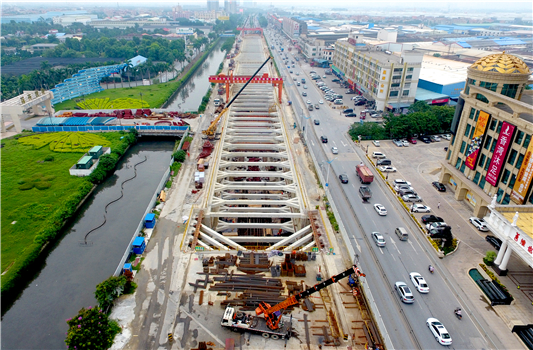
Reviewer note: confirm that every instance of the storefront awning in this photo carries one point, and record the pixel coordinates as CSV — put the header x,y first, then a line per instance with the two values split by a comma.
x,y
397,105
336,70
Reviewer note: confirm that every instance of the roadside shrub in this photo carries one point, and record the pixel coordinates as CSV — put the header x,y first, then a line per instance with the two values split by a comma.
x,y
434,244
91,329
49,159
489,258
168,184
26,186
43,185
49,178
179,156
110,289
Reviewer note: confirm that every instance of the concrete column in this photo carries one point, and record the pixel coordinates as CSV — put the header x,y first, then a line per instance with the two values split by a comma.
x,y
499,258
506,257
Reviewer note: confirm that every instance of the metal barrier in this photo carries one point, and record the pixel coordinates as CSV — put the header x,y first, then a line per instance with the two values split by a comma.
x,y
109,128
162,183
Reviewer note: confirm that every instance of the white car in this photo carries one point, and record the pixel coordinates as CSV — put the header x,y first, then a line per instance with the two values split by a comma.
x,y
447,137
480,224
420,208
378,155
380,209
334,150
401,182
321,102
305,86
324,76
411,198
376,143
378,238
439,331
308,102
405,143
435,225
387,169
419,282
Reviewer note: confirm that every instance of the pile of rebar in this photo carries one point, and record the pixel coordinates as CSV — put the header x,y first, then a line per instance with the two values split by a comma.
x,y
253,263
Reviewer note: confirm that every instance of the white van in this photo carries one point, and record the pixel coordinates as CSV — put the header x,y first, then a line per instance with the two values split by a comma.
x,y
378,155
401,233
338,102
216,102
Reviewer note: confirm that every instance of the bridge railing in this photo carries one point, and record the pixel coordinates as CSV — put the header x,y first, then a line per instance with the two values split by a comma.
x,y
109,128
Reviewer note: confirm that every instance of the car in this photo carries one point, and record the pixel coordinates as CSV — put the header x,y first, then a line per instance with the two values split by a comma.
x,y
376,143
324,76
378,155
439,331
383,162
412,140
434,138
375,115
378,238
397,142
348,110
298,84
440,187
290,70
305,86
304,93
329,99
405,143
447,137
317,122
435,225
419,208
399,188
335,80
310,107
480,224
312,72
324,139
403,192
404,292
334,150
387,169
359,103
308,101
297,73
424,139
419,282
380,209
343,178
411,198
349,92
320,101
294,78
495,241
426,219
401,182
317,106
351,115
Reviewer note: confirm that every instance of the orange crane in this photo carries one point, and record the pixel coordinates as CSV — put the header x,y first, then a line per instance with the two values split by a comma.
x,y
211,130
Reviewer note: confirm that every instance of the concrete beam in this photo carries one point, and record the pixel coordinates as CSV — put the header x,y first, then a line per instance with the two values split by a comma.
x,y
291,238
222,238
298,242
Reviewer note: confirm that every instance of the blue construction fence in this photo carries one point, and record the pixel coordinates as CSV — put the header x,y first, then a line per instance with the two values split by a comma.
x,y
109,128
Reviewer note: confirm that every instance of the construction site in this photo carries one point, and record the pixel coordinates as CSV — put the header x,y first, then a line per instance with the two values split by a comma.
x,y
263,267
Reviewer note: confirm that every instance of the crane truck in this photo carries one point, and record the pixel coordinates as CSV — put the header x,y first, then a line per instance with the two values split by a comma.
x,y
273,324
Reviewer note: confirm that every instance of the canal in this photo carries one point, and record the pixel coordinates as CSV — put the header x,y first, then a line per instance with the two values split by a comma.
x,y
190,95
69,277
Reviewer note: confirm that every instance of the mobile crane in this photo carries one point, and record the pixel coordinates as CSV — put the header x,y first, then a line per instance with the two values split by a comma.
x,y
272,325
211,130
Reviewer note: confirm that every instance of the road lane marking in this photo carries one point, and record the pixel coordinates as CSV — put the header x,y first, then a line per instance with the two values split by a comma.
x,y
343,144
395,246
411,243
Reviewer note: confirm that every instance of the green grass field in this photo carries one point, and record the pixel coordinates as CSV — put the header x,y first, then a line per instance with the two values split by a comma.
x,y
25,212
154,95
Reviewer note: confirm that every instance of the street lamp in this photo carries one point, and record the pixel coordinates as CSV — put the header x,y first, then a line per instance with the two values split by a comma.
x,y
140,93
327,176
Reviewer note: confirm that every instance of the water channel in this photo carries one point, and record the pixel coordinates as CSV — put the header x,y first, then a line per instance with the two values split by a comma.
x,y
68,280
190,95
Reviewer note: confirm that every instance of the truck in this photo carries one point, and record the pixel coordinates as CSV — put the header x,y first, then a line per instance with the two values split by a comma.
x,y
274,324
364,174
365,193
282,49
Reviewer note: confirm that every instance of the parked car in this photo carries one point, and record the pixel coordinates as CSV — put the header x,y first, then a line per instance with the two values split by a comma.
x,y
411,198
378,238
439,331
419,282
420,208
351,115
378,155
404,292
440,187
405,143
348,110
411,140
447,137
380,209
334,150
434,138
424,139
343,178
435,225
335,80
426,219
317,122
480,224
359,103
376,143
495,241
401,182
387,169
406,192
384,162
324,139
397,142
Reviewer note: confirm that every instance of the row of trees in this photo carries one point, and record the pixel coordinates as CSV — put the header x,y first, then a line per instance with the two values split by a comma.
x,y
421,119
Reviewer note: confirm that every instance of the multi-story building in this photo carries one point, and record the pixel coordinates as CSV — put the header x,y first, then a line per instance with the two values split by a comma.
x,y
388,78
327,53
491,153
212,5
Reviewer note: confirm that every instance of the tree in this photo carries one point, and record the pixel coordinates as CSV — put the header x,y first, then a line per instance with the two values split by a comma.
x,y
91,329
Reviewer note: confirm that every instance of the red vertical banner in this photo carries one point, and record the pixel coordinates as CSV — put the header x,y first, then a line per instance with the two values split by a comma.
x,y
475,144
498,157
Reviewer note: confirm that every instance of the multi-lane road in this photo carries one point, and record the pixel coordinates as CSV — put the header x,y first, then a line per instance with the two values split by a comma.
x,y
405,324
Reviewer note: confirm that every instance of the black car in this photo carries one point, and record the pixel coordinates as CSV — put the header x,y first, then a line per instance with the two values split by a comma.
x,y
359,103
496,242
426,219
440,187
346,111
317,122
350,115
424,139
324,139
343,178
335,80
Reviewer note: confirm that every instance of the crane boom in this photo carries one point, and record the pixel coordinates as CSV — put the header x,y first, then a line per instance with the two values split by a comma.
x,y
210,131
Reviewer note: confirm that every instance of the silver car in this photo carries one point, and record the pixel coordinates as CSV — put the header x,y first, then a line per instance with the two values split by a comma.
x,y
378,238
334,150
480,224
411,198
404,292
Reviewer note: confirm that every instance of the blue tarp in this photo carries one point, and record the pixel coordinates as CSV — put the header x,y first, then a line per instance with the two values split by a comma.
x,y
76,121
464,44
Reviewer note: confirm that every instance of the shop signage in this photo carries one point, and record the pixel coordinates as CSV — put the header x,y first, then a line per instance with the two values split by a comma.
x,y
442,100
498,157
525,175
475,144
